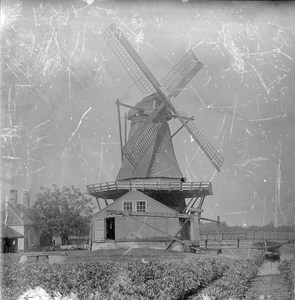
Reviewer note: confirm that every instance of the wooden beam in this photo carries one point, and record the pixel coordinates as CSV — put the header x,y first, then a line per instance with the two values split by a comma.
x,y
218,230
188,119
98,204
120,129
147,214
184,210
90,234
210,220
176,234
130,106
125,133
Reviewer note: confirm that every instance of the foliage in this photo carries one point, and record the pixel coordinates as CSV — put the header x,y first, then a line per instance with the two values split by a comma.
x,y
168,280
65,211
134,280
233,284
287,271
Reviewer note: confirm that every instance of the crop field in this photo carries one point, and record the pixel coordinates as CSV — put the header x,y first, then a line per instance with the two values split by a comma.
x,y
134,273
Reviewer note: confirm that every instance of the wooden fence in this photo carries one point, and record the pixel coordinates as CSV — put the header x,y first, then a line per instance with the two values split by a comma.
x,y
275,236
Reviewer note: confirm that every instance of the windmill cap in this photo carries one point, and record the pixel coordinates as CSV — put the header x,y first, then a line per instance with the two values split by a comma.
x,y
147,105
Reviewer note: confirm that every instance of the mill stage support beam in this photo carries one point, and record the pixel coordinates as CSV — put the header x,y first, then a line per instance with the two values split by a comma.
x,y
194,228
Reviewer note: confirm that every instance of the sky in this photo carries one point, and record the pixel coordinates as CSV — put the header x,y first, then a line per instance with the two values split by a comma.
x,y
60,81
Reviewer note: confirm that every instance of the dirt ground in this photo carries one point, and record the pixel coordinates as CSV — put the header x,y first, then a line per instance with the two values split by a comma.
x,y
271,287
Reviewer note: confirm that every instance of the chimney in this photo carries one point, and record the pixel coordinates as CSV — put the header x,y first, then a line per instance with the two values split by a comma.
x,y
26,199
13,197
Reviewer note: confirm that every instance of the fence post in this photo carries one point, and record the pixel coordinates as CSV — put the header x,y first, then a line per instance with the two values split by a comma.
x,y
206,244
218,228
238,243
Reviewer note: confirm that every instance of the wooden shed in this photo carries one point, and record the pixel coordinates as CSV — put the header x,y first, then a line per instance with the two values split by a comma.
x,y
135,217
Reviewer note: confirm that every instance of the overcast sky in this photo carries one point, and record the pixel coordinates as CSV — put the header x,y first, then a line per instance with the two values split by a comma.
x,y
60,82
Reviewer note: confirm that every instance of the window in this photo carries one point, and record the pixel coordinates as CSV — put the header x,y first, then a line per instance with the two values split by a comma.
x,y
141,206
127,205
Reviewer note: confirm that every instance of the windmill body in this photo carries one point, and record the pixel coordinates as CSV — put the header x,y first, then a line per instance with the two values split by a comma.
x,y
159,161
149,165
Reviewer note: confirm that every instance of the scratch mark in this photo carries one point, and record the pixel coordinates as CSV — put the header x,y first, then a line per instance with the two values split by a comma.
x,y
220,126
84,36
77,42
197,45
250,133
38,169
160,53
79,124
233,118
198,96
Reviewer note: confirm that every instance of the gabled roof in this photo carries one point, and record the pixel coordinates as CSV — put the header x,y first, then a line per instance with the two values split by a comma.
x,y
16,214
7,232
143,196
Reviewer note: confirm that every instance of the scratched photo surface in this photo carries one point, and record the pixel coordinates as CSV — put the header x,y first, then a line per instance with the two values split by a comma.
x,y
60,82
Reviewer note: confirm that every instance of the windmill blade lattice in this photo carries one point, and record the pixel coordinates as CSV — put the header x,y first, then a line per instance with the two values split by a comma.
x,y
181,74
136,152
139,143
215,157
131,61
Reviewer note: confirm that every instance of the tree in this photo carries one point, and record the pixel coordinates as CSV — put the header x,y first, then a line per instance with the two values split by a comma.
x,y
65,211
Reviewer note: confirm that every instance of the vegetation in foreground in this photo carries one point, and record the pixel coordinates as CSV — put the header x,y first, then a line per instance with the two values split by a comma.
x,y
139,273
169,279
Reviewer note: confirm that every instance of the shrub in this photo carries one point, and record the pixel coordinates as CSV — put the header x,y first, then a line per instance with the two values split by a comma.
x,y
287,271
234,284
173,279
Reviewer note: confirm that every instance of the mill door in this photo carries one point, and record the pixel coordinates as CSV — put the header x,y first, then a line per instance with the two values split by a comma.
x,y
110,228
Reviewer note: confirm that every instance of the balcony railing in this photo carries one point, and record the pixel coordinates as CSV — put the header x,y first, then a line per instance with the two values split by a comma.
x,y
149,185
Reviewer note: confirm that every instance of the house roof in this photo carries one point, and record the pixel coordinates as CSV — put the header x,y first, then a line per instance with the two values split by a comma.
x,y
7,232
142,195
17,214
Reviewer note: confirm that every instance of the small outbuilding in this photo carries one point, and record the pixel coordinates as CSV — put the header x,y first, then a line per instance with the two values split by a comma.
x,y
135,217
19,217
9,239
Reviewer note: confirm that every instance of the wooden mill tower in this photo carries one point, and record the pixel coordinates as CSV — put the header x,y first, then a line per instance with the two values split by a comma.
x,y
149,163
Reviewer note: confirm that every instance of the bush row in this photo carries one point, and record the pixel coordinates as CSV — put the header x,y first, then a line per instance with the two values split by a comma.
x,y
287,271
173,279
233,284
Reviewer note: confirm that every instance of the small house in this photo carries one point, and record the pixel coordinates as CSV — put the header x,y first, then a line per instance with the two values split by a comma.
x,y
19,217
134,217
9,239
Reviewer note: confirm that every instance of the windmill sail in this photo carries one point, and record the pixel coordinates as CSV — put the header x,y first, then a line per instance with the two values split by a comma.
x,y
181,74
138,149
215,157
139,143
131,61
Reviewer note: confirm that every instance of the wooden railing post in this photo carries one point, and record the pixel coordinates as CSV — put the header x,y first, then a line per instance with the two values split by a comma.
x,y
218,230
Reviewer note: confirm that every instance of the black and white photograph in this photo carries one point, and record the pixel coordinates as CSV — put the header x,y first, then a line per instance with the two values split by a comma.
x,y
147,150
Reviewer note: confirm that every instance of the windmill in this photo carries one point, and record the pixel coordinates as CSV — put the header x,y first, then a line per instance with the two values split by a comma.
x,y
149,165
149,153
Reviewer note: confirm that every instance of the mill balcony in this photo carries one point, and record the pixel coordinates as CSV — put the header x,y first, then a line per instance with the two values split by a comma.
x,y
116,189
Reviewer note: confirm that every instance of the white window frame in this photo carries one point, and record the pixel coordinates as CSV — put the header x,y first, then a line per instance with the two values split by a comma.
x,y
132,205
137,201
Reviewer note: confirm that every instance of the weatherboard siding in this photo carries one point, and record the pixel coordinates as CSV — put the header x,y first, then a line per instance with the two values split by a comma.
x,y
136,228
